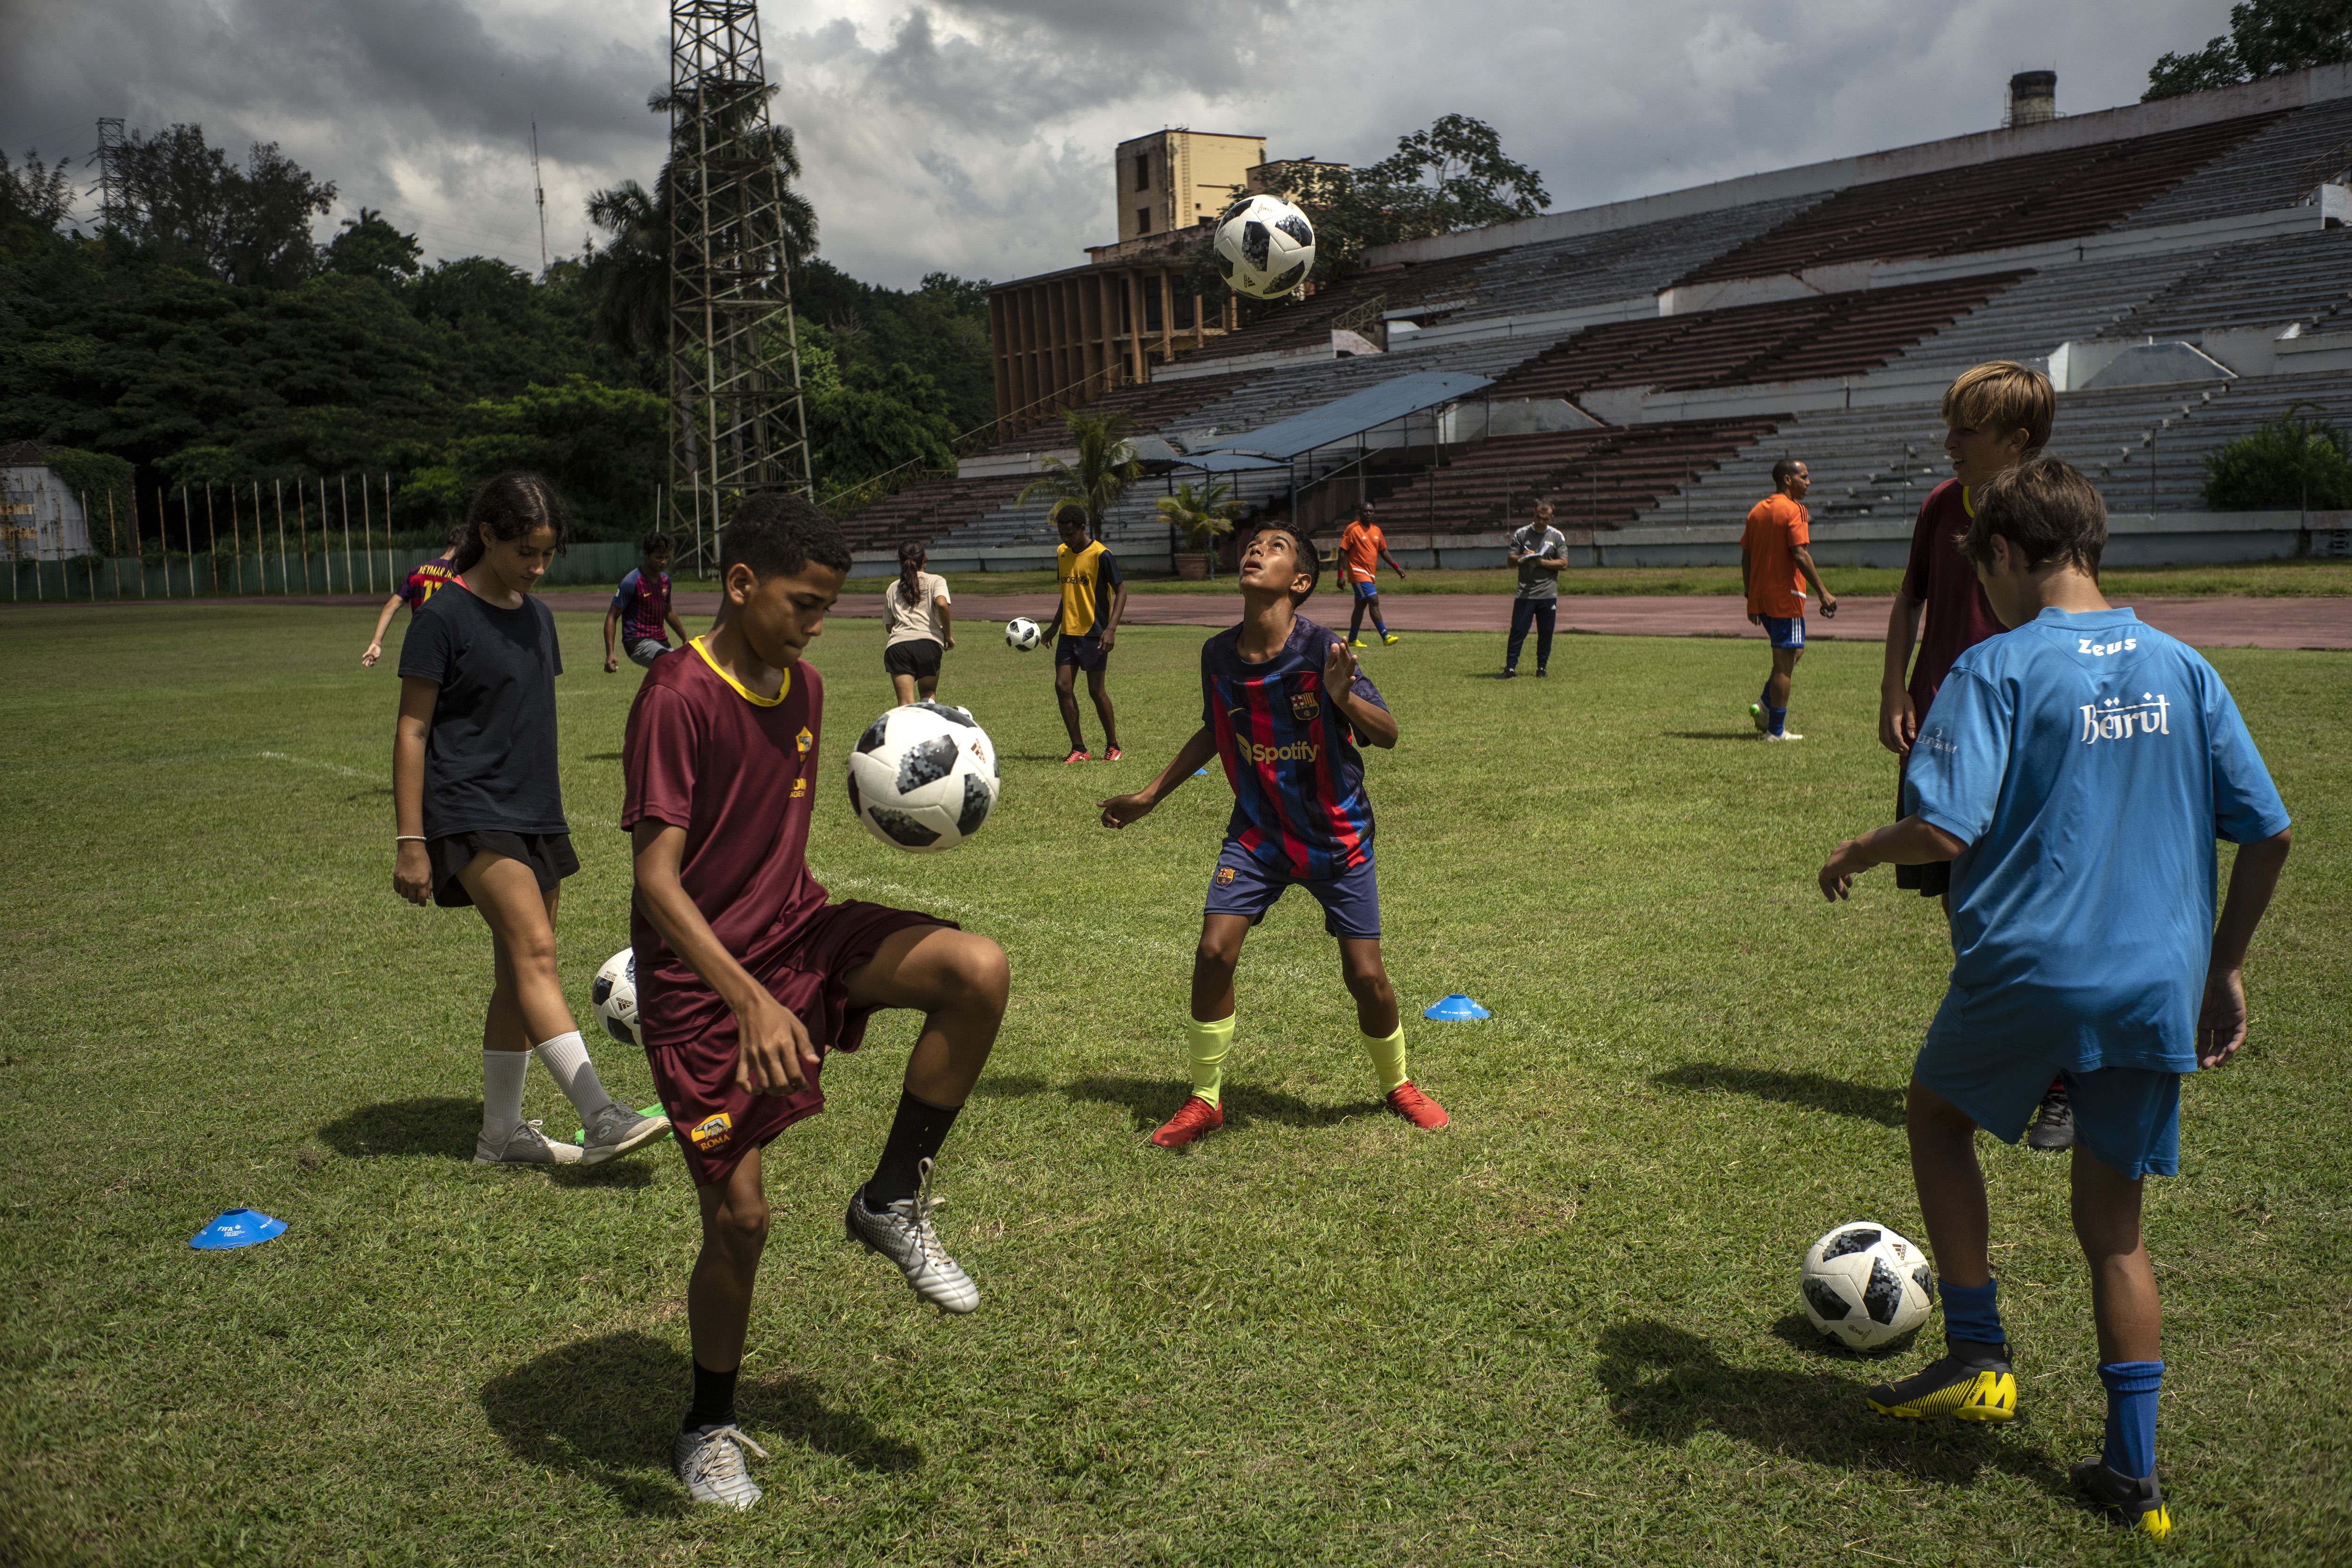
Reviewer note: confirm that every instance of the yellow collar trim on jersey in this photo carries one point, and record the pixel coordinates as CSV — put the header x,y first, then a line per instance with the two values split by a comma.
x,y
745,692
1968,503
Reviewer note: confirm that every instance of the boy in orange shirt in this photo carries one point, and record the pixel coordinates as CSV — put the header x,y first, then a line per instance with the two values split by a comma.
x,y
1362,548
1774,569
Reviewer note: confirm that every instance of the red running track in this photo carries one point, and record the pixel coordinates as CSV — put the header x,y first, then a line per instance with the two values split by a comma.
x,y
2279,623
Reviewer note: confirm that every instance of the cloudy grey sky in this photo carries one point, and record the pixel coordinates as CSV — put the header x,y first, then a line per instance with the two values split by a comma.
x,y
975,137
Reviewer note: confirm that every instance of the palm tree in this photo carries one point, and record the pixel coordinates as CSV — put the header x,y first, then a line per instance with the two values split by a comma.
x,y
630,275
1201,516
1105,466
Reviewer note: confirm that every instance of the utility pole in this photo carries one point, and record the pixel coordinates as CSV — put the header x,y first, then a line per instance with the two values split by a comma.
x,y
737,425
539,194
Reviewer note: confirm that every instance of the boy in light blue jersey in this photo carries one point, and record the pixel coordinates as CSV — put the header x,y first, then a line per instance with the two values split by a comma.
x,y
2076,771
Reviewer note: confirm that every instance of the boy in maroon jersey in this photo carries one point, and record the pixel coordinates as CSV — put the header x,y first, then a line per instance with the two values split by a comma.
x,y
747,977
1996,416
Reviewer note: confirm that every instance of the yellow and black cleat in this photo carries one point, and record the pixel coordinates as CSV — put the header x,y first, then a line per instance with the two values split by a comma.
x,y
2140,1503
1977,1389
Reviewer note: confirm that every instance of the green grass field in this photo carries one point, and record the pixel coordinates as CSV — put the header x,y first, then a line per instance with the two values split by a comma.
x,y
1567,1330
2256,579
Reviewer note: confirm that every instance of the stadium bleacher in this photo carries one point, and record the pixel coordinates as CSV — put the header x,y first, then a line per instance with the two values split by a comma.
x,y
1738,386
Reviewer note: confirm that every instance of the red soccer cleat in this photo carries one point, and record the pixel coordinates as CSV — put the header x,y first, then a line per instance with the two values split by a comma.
x,y
1113,755
1080,756
1197,1119
1407,1100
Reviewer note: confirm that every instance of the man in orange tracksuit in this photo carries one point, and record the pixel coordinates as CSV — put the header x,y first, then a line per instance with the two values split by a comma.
x,y
1774,568
1362,548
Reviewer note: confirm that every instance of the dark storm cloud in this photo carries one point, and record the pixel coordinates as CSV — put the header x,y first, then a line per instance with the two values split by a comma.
x,y
975,135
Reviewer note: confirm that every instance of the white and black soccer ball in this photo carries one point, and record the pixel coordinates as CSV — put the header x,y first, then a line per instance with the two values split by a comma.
x,y
614,996
923,777
1264,247
1867,1287
1021,634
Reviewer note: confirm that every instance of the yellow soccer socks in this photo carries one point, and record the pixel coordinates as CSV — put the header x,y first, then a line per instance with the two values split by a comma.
x,y
1387,1059
1207,1044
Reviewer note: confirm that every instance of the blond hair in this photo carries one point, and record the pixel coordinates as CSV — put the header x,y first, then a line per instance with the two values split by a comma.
x,y
2003,396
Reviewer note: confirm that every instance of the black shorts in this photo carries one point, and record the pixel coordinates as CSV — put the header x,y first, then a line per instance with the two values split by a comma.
x,y
919,658
1932,881
549,856
1086,652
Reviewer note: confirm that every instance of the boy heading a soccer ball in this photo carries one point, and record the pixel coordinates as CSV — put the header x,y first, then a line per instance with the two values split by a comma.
x,y
2075,772
1283,706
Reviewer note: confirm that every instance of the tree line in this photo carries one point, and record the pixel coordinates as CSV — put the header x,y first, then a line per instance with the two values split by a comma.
x,y
201,334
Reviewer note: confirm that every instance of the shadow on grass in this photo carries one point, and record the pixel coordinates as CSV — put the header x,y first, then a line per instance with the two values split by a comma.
x,y
596,1408
1708,734
602,757
1796,1330
1884,1106
1152,1100
445,1126
1666,1385
1009,1086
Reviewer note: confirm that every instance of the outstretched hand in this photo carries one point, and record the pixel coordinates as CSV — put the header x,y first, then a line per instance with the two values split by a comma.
x,y
1120,810
1837,876
1339,670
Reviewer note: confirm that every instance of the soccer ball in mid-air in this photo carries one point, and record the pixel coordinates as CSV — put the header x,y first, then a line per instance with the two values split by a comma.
x,y
923,777
1867,1287
1263,246
1021,634
615,997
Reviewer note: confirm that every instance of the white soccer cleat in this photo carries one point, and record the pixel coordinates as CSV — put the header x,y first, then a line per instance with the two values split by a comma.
x,y
711,1466
1784,735
616,1131
526,1145
902,1233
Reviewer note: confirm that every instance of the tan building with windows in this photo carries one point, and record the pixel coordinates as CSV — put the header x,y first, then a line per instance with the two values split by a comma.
x,y
1064,337
1174,179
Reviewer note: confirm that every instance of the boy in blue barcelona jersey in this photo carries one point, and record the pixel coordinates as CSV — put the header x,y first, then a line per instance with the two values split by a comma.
x,y
1283,706
641,608
2075,772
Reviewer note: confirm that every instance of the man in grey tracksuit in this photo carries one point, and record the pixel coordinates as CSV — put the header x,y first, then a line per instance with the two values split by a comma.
x,y
1538,551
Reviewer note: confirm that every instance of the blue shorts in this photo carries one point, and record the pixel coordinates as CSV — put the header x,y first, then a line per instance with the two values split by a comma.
x,y
1786,631
1086,652
1367,590
2128,1119
1244,885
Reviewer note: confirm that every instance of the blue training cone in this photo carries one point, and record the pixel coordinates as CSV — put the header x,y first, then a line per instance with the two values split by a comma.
x,y
1199,773
1456,1009
237,1228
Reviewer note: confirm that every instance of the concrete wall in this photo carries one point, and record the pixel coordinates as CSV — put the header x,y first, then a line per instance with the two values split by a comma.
x,y
2168,539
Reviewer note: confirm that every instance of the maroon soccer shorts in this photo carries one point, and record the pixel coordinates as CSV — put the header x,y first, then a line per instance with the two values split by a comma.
x,y
717,1120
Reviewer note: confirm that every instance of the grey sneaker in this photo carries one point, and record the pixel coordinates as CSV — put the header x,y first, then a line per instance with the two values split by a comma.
x,y
2054,1121
616,1130
902,1233
526,1145
711,1466
2138,1503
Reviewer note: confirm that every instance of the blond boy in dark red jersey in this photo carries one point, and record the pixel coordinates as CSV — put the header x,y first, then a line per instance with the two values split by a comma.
x,y
747,977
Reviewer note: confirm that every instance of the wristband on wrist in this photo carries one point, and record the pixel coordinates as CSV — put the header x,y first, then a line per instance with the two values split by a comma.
x,y
408,839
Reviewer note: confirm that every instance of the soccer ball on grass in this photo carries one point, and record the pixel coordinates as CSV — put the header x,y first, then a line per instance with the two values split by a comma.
x,y
1021,634
615,997
1867,1287
1264,247
923,777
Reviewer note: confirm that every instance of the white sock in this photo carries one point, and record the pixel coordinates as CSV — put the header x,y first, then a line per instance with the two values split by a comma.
x,y
502,1076
566,1057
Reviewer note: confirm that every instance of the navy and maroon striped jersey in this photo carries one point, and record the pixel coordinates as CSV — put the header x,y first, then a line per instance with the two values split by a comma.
x,y
1298,780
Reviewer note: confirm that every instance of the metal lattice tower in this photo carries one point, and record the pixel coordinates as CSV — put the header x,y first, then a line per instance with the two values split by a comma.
x,y
113,200
736,419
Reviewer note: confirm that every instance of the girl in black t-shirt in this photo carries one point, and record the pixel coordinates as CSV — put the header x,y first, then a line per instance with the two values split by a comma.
x,y
479,809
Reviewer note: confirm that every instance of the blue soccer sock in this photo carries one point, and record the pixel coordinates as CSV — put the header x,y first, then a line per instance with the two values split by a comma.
x,y
1379,624
1778,718
1971,1313
2131,1415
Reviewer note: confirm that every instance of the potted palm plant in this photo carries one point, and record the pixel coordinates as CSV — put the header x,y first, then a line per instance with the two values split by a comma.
x,y
1201,515
1099,473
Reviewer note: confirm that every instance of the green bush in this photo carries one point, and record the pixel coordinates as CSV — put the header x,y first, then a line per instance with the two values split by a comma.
x,y
2292,460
